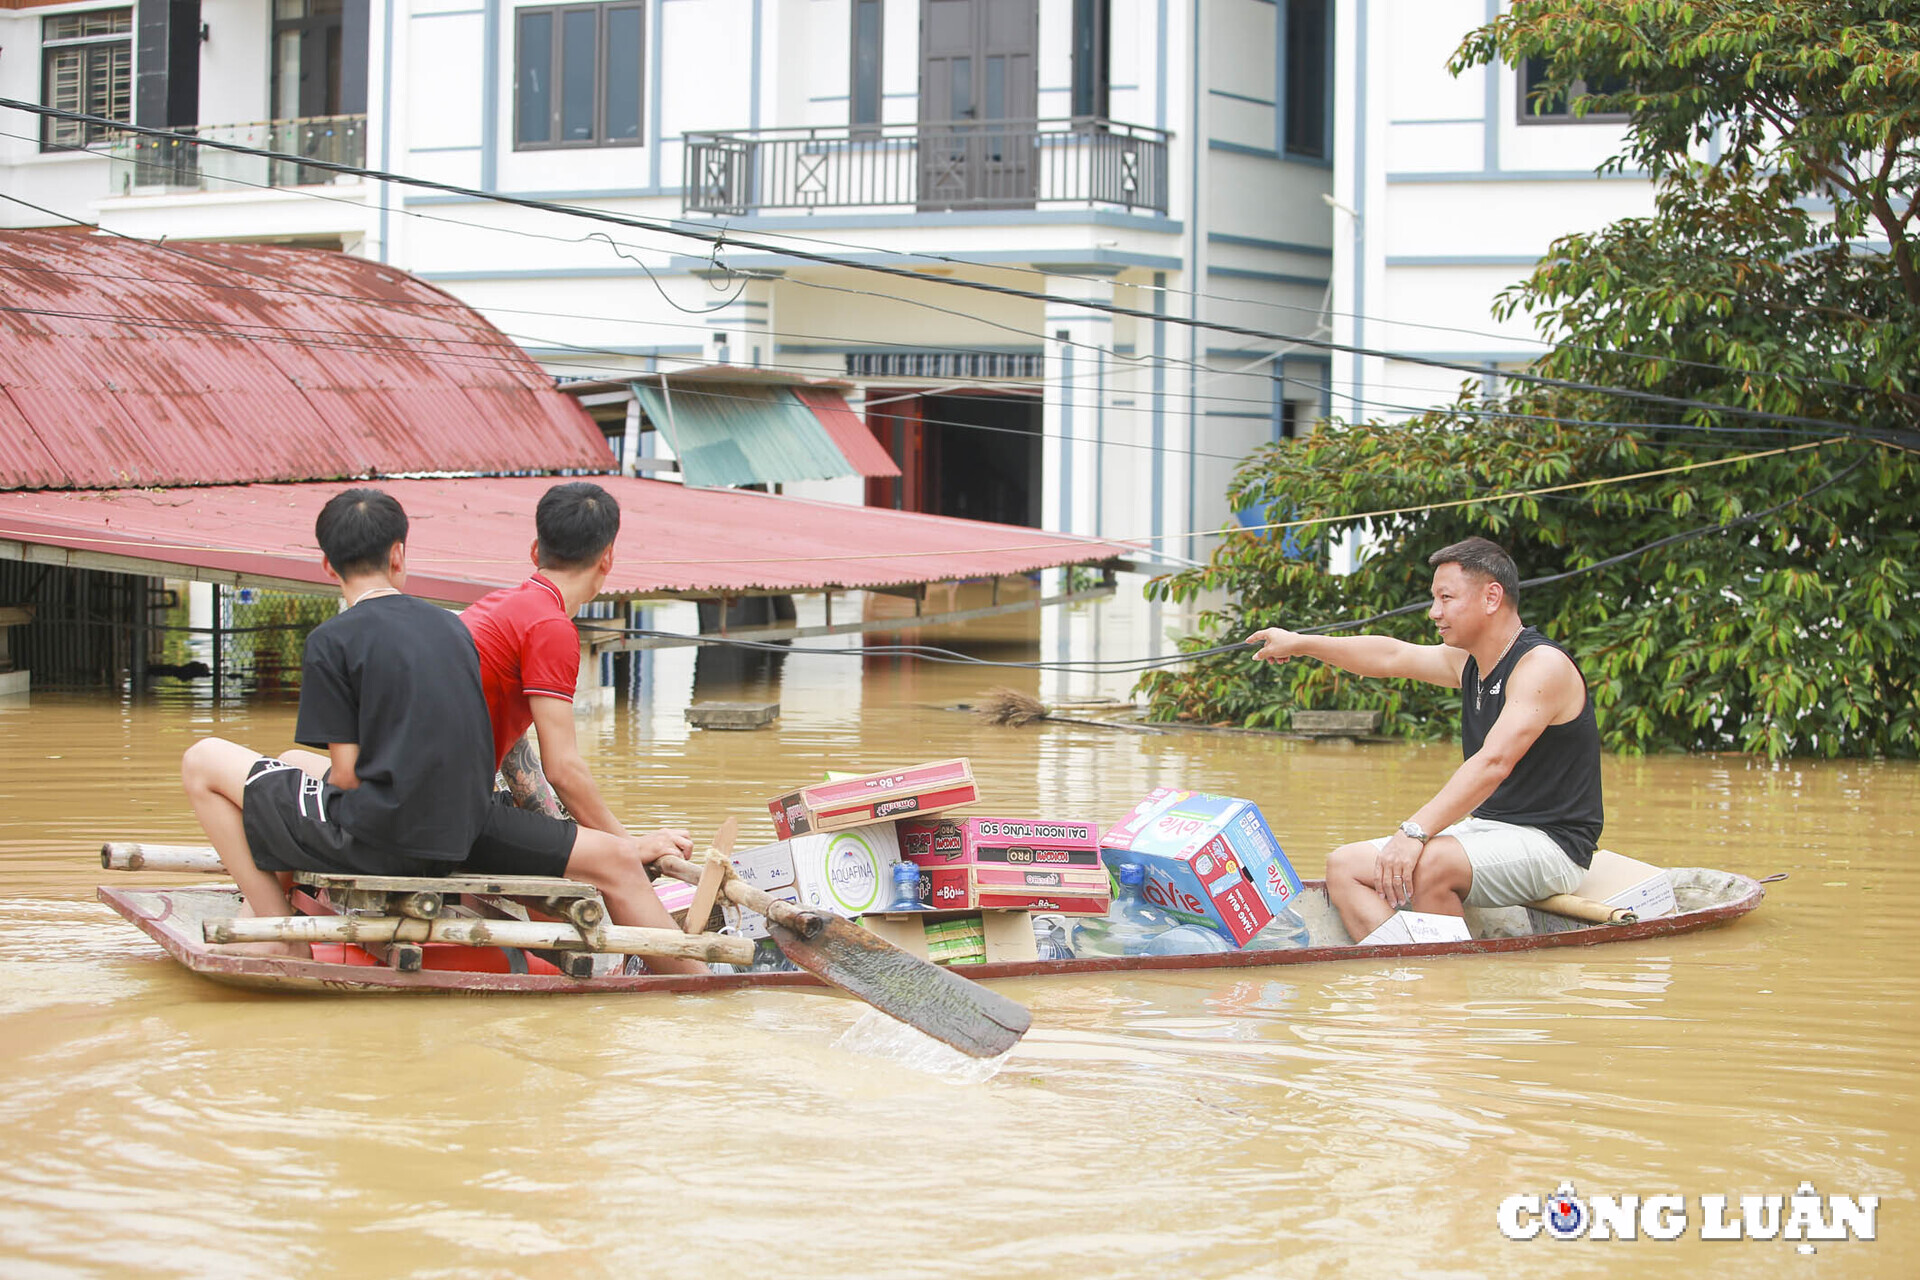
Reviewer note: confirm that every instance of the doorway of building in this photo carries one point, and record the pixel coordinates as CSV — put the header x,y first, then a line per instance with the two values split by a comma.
x,y
979,91
975,456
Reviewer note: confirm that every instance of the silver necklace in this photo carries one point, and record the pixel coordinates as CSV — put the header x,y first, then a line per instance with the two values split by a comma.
x,y
369,594
1479,681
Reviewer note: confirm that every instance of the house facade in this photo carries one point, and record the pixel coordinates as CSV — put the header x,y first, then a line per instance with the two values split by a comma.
x,y
1448,190
1161,156
1292,169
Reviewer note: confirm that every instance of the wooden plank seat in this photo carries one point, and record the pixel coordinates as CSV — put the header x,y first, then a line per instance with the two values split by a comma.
x,y
438,897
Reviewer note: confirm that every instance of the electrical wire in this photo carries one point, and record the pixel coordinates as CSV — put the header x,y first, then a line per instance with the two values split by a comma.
x,y
1130,666
718,237
508,357
1176,413
1321,310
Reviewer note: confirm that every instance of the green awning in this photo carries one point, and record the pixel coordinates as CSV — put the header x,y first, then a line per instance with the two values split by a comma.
x,y
732,434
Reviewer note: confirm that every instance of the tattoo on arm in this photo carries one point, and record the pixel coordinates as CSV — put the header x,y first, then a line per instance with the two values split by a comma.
x,y
526,783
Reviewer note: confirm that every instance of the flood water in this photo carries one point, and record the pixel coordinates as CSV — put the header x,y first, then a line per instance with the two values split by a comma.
x,y
1365,1117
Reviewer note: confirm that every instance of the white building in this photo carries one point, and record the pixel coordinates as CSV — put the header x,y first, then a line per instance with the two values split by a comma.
x,y
1253,163
1141,161
1449,189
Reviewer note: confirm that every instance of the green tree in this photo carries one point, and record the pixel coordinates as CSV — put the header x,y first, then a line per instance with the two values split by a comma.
x,y
1776,276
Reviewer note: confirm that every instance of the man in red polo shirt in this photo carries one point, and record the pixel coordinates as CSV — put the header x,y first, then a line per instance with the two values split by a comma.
x,y
529,666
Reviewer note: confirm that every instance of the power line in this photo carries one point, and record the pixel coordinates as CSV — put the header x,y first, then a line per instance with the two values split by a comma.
x,y
1122,361
719,239
1129,666
669,224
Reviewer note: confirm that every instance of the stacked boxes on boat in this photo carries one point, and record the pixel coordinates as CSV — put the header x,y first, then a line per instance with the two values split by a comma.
x,y
1210,860
983,876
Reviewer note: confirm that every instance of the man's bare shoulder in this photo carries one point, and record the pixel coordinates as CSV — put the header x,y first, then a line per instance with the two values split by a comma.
x,y
1555,675
1441,664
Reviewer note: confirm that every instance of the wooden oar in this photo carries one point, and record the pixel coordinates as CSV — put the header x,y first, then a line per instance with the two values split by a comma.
x,y
974,1020
1577,908
618,939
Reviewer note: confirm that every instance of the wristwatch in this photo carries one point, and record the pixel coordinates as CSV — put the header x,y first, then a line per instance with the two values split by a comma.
x,y
1414,831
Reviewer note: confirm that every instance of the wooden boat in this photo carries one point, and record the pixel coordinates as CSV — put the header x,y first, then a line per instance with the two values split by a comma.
x,y
174,918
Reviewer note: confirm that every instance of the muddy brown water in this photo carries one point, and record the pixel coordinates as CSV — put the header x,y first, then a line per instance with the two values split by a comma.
x,y
1366,1117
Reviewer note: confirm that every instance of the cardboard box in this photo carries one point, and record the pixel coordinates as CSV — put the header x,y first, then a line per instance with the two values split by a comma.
x,y
1209,859
976,862
843,803
843,872
1002,935
751,924
1405,927
1620,881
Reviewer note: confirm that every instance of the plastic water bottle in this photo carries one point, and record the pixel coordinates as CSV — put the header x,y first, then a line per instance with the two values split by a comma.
x,y
1128,926
1188,940
1286,932
1050,939
906,889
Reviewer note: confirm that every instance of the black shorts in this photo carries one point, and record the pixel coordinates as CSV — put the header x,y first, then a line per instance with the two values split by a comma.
x,y
284,813
519,842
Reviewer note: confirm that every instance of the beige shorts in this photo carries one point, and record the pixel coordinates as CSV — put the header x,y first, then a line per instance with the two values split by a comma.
x,y
1511,864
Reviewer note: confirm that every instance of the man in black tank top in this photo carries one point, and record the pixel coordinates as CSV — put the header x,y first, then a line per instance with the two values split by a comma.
x,y
1520,818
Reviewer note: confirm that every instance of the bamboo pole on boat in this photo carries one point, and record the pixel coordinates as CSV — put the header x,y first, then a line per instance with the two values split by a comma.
x,y
119,855
1575,907
619,939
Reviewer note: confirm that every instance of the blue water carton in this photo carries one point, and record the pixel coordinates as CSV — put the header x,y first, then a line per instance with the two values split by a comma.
x,y
1208,858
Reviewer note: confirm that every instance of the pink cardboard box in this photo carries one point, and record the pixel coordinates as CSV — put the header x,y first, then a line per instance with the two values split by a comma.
x,y
1008,862
873,797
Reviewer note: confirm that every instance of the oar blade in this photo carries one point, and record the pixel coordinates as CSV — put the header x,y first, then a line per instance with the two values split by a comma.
x,y
974,1020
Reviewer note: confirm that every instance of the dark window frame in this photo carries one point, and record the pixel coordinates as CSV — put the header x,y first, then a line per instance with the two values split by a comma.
x,y
1283,141
1531,72
105,44
1091,86
602,52
879,103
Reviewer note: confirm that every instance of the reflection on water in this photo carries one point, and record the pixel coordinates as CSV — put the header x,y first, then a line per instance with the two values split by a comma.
x,y
1361,1116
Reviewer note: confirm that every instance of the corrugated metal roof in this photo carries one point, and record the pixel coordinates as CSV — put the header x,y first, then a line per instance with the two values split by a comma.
x,y
123,362
849,432
738,433
470,535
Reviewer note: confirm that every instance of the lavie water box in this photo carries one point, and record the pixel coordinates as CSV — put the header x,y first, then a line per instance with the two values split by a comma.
x,y
847,873
970,863
1210,859
844,803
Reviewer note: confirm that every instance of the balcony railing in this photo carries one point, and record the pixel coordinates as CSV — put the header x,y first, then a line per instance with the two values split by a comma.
x,y
183,164
987,164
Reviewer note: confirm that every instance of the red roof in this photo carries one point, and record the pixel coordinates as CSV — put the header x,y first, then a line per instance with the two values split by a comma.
x,y
128,363
471,535
849,431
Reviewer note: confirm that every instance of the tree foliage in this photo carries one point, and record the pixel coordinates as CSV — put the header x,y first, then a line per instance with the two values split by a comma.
x,y
1776,276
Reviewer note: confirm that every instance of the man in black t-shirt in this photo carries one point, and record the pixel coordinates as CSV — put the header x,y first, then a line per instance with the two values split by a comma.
x,y
390,690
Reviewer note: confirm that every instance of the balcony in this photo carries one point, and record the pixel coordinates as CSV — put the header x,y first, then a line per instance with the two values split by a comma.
x,y
181,164
966,165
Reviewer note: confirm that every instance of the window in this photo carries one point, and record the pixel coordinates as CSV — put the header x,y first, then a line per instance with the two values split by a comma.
x,y
307,59
864,91
86,66
577,76
1091,20
1305,78
1558,108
